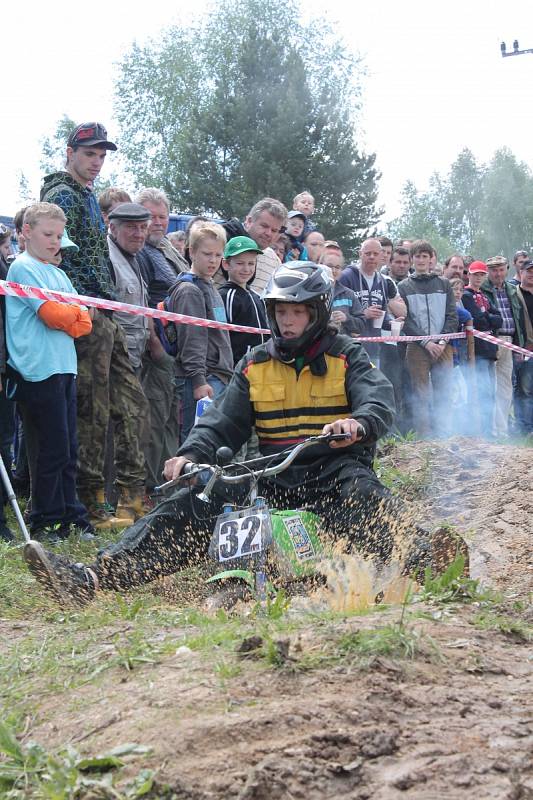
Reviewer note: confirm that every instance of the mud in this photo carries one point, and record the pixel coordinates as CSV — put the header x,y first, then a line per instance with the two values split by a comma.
x,y
456,721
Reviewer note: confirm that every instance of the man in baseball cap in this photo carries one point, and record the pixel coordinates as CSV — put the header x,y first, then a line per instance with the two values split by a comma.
x,y
104,368
89,134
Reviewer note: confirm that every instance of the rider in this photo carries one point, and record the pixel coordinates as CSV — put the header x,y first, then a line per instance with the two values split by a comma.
x,y
307,379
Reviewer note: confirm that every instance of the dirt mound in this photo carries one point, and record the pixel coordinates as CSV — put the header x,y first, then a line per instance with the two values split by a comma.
x,y
485,490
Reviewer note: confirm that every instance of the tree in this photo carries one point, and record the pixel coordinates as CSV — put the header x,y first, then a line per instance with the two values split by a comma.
x,y
26,195
507,207
240,106
462,200
476,209
422,216
54,146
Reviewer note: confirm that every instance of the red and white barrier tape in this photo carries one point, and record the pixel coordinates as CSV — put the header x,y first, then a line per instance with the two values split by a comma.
x,y
35,292
19,290
495,340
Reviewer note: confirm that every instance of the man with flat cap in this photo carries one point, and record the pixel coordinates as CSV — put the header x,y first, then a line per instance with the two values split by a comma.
x,y
103,359
502,294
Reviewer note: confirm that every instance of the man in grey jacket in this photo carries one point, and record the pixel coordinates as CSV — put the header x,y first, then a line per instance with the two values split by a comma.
x,y
430,310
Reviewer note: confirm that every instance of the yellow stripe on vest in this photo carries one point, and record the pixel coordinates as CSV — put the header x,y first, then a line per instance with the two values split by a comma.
x,y
289,406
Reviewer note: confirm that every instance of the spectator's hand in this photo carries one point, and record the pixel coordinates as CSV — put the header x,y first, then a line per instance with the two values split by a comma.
x,y
373,312
157,351
203,391
174,467
435,350
351,426
338,317
92,312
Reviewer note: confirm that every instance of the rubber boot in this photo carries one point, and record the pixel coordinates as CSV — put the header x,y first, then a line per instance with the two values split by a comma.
x,y
131,504
99,516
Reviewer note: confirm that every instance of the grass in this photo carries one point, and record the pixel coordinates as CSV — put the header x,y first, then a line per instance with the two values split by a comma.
x,y
406,485
515,628
32,771
452,586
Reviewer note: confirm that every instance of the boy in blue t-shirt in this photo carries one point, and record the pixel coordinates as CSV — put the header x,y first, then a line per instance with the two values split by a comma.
x,y
42,369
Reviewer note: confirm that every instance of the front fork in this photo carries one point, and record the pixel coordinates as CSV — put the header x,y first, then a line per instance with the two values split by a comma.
x,y
260,575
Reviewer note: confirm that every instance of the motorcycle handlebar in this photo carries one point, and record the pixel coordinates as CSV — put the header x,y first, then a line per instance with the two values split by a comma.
x,y
191,469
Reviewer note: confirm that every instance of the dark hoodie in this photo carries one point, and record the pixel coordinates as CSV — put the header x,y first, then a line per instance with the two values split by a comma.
x,y
90,268
243,307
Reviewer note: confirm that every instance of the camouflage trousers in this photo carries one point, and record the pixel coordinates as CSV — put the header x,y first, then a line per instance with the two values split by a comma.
x,y
108,389
160,390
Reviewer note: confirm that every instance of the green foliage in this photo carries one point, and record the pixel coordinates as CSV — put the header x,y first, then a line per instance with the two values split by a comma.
x,y
399,641
31,771
239,105
452,586
514,628
53,147
475,209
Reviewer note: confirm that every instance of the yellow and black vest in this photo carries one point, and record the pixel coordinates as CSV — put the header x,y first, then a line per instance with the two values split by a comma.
x,y
289,406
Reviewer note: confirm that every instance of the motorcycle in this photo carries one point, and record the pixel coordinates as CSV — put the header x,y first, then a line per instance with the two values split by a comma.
x,y
254,538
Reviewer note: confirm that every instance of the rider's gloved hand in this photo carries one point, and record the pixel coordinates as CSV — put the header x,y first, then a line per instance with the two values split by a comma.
x,y
174,466
356,430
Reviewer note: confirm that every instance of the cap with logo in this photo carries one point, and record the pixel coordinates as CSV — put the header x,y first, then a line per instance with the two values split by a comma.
x,y
130,212
478,266
88,134
240,244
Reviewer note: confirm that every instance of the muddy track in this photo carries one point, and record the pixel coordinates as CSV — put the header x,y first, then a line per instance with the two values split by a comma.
x,y
454,722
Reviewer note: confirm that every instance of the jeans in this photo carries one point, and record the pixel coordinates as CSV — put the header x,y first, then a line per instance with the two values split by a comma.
x,y
7,434
49,414
188,403
432,387
524,396
483,401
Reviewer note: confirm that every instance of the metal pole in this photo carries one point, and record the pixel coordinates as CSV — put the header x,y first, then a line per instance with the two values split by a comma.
x,y
13,500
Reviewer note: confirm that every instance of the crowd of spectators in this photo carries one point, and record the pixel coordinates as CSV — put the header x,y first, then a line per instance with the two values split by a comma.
x,y
94,401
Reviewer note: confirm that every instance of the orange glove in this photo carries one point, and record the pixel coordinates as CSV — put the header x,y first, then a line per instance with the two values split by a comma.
x,y
71,319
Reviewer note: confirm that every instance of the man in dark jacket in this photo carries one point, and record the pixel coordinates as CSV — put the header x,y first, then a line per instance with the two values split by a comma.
x,y
106,383
524,365
307,379
161,265
430,310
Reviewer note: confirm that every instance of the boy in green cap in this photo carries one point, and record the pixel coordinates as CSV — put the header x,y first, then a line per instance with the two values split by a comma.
x,y
243,305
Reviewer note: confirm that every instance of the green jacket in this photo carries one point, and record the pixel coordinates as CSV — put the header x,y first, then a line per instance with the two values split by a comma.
x,y
516,308
90,268
369,398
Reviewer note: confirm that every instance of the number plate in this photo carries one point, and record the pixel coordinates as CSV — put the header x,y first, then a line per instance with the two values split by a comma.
x,y
242,533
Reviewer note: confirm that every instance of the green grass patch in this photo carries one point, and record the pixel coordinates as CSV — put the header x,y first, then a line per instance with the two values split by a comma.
x,y
515,628
31,771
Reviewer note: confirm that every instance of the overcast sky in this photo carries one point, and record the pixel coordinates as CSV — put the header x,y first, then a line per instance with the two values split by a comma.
x,y
435,83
